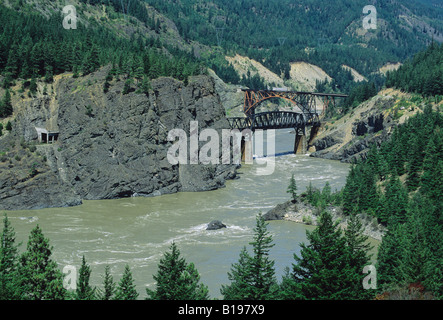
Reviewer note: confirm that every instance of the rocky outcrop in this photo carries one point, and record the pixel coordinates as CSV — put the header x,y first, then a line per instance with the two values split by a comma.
x,y
329,140
303,212
27,181
349,138
231,96
114,145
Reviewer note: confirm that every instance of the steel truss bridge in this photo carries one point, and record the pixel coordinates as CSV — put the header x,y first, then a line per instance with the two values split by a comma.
x,y
305,101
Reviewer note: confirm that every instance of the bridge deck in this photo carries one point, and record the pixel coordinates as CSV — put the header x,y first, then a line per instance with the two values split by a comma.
x,y
273,120
319,94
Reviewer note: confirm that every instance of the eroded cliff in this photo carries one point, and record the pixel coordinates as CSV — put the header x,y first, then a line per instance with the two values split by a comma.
x,y
109,145
350,138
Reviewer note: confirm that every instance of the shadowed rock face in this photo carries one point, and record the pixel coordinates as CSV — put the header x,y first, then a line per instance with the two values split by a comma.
x,y
367,127
112,145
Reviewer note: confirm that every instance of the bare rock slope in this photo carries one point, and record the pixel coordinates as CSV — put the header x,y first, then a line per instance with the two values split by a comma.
x,y
350,137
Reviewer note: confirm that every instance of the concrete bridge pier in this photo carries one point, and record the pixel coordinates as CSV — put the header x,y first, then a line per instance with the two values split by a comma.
x,y
246,151
300,143
315,130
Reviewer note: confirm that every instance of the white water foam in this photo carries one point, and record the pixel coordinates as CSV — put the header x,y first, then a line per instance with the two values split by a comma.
x,y
193,234
29,219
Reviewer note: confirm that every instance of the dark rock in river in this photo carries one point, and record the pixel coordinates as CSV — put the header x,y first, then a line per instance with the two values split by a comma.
x,y
215,225
278,212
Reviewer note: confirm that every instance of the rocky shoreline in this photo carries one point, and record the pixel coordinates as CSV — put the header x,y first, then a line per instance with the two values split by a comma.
x,y
305,213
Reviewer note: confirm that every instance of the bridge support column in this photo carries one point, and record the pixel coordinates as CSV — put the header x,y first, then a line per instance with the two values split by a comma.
x,y
300,144
246,151
314,133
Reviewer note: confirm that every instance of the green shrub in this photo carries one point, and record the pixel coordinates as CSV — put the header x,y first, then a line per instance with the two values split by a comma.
x,y
32,148
88,111
307,219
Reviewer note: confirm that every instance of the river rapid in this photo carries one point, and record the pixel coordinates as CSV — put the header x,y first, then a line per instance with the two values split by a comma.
x,y
137,231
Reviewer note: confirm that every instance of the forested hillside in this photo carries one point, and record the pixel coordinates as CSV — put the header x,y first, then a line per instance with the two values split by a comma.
x,y
400,184
327,34
274,33
32,46
422,74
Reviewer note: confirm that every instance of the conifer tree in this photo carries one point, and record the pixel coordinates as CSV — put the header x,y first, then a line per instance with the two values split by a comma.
x,y
49,75
9,286
192,289
253,277
322,271
310,192
8,126
292,189
415,254
368,197
389,256
357,251
326,193
127,86
12,67
396,200
262,267
6,105
145,85
40,278
351,192
84,290
126,287
91,61
431,183
288,287
106,85
138,69
415,162
176,280
108,291
241,279
431,220
32,86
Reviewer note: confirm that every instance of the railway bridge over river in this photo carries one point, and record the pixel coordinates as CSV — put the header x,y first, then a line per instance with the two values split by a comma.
x,y
307,116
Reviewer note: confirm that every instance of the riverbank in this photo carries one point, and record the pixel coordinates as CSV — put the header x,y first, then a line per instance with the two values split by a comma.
x,y
305,213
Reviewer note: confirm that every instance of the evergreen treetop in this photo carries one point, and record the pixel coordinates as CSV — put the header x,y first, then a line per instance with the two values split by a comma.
x,y
176,279
40,278
126,288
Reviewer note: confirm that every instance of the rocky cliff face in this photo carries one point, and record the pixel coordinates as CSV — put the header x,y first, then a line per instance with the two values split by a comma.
x,y
109,145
